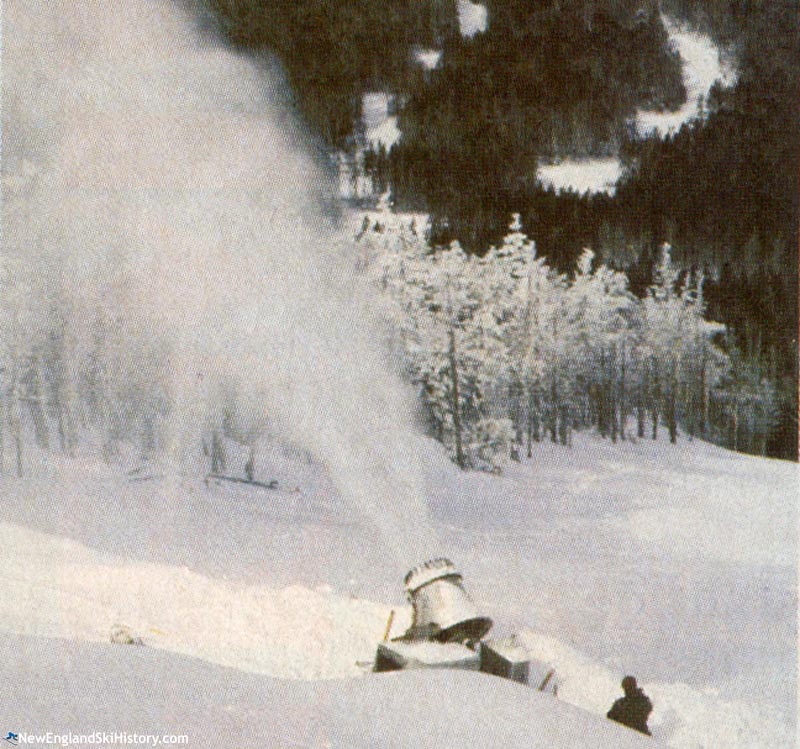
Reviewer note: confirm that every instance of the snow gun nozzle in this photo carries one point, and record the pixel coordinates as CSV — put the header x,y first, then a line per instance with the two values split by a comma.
x,y
442,610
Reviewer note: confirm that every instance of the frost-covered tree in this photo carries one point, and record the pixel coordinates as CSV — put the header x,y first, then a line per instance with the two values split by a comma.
x,y
463,357
598,306
678,361
505,350
505,275
444,306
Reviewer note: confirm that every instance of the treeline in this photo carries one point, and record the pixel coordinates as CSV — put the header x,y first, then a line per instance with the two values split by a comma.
x,y
506,351
723,192
553,78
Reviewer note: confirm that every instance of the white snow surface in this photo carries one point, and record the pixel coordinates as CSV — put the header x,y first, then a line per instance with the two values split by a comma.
x,y
702,66
582,175
375,108
473,18
684,716
386,134
215,706
380,126
63,589
428,58
675,563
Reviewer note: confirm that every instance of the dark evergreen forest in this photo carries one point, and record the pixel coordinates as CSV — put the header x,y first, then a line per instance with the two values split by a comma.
x,y
556,78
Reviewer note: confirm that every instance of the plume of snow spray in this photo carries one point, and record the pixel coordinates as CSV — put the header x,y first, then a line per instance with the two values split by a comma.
x,y
157,182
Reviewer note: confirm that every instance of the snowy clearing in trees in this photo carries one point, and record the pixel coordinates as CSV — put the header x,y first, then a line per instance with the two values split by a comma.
x,y
473,18
703,66
586,175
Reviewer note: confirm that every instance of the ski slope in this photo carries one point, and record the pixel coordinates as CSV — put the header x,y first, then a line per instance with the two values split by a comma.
x,y
672,563
582,175
702,66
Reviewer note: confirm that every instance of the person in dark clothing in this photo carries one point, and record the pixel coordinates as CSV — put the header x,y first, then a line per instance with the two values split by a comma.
x,y
633,709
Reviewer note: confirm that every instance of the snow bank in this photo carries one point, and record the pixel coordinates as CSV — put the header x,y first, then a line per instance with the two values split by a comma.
x,y
62,686
683,717
63,589
52,683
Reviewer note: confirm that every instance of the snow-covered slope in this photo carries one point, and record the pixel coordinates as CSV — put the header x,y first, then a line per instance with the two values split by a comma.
x,y
142,691
702,67
672,563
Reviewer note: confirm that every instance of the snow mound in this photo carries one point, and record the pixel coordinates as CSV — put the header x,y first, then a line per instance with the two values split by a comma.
x,y
117,688
63,589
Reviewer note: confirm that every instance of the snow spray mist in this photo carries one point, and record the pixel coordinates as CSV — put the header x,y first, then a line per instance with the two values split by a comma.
x,y
162,205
